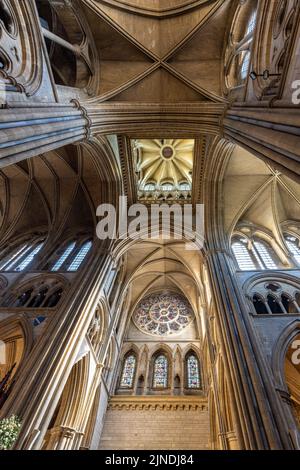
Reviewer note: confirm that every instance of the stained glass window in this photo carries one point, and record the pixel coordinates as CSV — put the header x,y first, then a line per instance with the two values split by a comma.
x,y
128,372
15,257
149,187
252,23
265,255
26,261
160,372
80,256
243,256
193,375
167,187
293,246
64,256
163,314
245,65
185,186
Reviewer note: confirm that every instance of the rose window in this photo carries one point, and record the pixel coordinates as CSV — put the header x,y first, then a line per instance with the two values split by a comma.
x,y
163,314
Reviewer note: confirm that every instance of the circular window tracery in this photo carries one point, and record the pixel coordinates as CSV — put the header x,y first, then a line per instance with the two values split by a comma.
x,y
163,314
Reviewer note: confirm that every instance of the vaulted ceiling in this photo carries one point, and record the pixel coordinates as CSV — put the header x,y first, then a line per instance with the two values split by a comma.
x,y
255,194
162,161
149,53
57,192
163,265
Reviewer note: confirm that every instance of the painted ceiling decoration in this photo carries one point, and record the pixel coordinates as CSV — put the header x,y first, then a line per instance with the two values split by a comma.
x,y
164,167
163,314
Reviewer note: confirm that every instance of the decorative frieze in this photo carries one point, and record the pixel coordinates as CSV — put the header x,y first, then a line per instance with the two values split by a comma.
x,y
158,403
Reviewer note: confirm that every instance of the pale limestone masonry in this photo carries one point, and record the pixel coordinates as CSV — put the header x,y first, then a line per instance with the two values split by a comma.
x,y
156,423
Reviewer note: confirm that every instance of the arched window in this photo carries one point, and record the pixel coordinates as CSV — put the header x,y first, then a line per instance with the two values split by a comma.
x,y
63,34
289,305
23,298
13,258
274,305
167,187
260,305
21,257
149,187
251,23
160,372
238,53
245,64
40,293
253,254
79,258
38,320
265,254
53,299
243,256
64,257
185,186
193,371
38,299
128,372
29,258
293,246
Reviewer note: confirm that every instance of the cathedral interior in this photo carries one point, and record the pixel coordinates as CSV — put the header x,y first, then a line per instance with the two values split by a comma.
x,y
141,343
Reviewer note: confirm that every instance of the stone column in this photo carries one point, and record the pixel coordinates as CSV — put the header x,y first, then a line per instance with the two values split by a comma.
x,y
261,415
36,393
272,134
28,129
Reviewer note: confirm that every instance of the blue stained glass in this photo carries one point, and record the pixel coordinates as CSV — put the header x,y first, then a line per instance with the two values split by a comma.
x,y
64,256
128,372
12,260
29,258
38,320
160,372
193,372
80,256
163,314
252,23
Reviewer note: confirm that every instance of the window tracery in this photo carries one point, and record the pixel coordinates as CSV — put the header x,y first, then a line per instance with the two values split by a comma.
x,y
275,298
160,371
253,254
68,44
79,258
163,314
293,245
128,373
71,256
67,252
45,293
22,256
238,53
193,371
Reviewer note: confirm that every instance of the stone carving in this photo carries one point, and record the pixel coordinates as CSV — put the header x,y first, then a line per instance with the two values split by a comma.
x,y
163,314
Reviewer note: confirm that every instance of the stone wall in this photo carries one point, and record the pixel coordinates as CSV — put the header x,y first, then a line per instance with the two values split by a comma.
x,y
156,423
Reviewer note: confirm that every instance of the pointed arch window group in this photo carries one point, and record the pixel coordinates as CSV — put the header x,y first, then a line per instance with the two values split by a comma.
x,y
22,256
72,256
257,254
254,254
68,258
160,371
